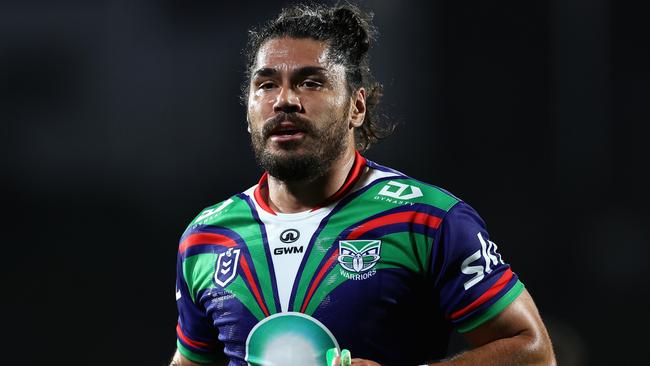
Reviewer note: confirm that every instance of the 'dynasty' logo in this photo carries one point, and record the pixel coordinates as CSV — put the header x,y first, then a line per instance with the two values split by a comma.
x,y
358,257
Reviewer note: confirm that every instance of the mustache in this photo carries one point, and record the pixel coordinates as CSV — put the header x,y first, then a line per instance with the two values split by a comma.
x,y
274,122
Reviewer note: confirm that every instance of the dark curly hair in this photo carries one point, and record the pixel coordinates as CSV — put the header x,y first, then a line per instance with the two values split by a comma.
x,y
349,33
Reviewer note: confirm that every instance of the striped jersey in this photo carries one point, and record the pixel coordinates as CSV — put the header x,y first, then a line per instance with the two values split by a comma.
x,y
384,259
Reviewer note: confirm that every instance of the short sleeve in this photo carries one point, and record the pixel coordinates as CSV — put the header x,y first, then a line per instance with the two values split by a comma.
x,y
196,338
473,282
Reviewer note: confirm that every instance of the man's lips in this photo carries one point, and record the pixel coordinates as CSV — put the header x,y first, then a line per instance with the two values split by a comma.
x,y
288,137
286,131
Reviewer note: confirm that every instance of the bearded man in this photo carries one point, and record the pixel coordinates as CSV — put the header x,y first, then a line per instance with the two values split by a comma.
x,y
329,250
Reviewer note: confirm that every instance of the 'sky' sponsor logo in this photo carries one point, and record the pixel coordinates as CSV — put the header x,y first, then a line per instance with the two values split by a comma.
x,y
473,265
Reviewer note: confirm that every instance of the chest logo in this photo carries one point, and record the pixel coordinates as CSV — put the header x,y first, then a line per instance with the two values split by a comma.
x,y
289,236
358,256
400,191
288,250
226,267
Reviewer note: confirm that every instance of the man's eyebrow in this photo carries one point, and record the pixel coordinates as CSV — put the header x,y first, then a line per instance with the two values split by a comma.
x,y
265,71
310,70
300,72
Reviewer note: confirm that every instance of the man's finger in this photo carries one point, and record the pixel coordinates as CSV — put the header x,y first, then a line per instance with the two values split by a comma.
x,y
363,362
331,355
346,358
336,361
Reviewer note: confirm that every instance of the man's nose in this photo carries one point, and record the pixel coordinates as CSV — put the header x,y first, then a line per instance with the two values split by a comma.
x,y
287,101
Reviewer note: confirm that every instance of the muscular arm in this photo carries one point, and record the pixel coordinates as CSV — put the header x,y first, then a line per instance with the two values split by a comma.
x,y
516,336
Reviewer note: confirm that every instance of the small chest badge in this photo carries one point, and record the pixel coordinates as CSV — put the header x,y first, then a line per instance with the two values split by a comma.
x,y
289,236
359,256
226,267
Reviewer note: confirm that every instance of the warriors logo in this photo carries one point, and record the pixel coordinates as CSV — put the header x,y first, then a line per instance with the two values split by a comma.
x,y
358,257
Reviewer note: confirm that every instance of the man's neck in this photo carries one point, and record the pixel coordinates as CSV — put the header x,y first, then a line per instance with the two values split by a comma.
x,y
292,197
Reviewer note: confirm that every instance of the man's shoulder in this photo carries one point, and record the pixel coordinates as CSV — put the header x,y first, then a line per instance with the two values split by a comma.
x,y
394,187
215,213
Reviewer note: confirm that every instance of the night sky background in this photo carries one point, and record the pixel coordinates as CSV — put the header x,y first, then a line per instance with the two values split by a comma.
x,y
120,121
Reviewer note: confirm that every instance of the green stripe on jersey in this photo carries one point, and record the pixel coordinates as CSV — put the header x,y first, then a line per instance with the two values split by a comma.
x,y
361,206
240,219
493,310
382,196
406,249
406,191
262,268
398,250
240,290
198,271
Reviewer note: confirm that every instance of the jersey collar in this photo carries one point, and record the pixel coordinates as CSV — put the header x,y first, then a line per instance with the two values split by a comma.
x,y
261,192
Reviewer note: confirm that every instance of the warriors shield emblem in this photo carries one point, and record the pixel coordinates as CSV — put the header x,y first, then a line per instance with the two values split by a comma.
x,y
359,255
226,267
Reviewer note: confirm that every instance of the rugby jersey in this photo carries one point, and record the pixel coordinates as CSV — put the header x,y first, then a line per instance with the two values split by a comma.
x,y
384,258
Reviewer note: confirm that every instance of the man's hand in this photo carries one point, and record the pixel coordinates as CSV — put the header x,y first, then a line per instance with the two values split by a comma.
x,y
355,362
517,336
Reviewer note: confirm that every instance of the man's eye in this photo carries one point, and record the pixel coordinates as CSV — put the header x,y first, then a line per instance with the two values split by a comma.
x,y
311,84
266,85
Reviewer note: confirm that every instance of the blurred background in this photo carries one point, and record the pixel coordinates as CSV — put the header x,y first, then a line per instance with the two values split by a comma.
x,y
120,121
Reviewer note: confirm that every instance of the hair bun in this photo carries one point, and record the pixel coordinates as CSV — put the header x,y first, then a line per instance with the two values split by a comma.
x,y
349,18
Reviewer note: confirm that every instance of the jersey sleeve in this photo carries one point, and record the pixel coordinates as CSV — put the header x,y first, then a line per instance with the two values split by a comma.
x,y
473,282
196,338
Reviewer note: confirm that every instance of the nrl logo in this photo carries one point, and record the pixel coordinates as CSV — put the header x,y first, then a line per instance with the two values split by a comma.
x,y
359,256
226,267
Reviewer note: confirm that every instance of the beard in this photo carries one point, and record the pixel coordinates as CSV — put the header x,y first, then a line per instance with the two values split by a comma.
x,y
322,147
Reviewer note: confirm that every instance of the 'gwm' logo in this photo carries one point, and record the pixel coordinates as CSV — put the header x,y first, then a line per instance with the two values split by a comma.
x,y
226,267
289,236
359,256
400,191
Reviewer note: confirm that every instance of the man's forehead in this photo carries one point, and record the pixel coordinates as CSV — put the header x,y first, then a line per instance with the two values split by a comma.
x,y
290,53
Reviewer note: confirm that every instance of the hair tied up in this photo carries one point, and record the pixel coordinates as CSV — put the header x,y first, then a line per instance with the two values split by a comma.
x,y
349,32
355,26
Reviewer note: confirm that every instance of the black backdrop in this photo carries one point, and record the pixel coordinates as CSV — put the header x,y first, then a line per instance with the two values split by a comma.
x,y
121,120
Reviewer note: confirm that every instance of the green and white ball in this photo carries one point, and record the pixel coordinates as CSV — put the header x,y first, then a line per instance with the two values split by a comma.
x,y
288,339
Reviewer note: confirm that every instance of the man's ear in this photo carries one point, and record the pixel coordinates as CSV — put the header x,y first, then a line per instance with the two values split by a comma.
x,y
358,108
248,123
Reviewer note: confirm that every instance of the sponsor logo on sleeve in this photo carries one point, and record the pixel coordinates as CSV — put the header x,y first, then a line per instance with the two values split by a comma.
x,y
488,254
208,213
398,193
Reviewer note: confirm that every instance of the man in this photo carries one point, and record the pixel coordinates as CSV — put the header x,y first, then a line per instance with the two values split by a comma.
x,y
331,250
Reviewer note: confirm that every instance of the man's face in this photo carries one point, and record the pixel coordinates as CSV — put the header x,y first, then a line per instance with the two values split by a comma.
x,y
298,108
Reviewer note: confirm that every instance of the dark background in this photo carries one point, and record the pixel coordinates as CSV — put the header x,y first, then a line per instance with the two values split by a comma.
x,y
121,121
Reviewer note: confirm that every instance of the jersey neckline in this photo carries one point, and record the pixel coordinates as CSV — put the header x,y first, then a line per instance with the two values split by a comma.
x,y
261,190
